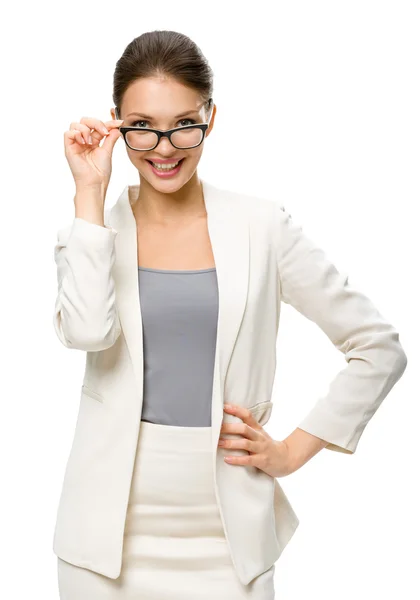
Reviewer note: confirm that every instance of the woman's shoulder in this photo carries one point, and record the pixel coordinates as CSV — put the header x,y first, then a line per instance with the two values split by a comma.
x,y
259,208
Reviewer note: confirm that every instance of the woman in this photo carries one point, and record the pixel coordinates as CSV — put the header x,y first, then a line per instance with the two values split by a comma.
x,y
175,295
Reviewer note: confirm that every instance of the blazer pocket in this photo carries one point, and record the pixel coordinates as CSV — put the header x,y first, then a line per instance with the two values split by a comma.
x,y
89,392
261,411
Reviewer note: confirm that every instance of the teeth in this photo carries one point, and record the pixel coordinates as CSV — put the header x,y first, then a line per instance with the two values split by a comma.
x,y
166,167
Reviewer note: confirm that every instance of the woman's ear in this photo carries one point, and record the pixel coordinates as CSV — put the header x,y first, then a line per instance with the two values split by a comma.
x,y
210,127
113,114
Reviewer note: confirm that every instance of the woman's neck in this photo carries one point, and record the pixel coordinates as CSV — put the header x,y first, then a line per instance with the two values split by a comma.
x,y
150,205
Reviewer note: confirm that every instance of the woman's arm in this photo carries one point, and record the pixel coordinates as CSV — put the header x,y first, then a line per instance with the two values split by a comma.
x,y
85,315
311,283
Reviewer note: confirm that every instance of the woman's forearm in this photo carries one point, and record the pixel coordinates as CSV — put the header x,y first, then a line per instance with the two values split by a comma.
x,y
302,447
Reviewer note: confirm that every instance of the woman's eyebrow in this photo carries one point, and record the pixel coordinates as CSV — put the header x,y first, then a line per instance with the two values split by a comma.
x,y
187,112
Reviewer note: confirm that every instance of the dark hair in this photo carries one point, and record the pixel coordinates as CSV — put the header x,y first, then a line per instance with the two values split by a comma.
x,y
160,53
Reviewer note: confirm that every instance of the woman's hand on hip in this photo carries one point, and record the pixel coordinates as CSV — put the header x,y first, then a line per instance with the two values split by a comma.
x,y
269,455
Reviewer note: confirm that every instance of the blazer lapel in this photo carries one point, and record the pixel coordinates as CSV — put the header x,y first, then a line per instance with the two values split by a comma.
x,y
125,274
228,229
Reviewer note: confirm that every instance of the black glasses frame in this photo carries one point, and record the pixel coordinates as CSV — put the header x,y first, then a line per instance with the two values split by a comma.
x,y
162,133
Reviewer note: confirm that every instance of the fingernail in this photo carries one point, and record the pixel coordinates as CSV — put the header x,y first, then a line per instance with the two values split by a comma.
x,y
119,120
228,406
105,130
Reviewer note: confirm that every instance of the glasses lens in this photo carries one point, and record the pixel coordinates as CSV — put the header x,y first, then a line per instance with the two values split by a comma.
x,y
187,138
145,140
142,139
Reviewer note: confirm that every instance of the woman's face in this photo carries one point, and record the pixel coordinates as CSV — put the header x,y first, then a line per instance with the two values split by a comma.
x,y
158,104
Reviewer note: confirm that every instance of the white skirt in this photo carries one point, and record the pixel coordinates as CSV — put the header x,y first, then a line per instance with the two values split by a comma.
x,y
174,544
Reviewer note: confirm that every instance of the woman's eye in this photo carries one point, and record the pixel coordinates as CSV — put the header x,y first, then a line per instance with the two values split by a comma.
x,y
191,122
136,123
182,121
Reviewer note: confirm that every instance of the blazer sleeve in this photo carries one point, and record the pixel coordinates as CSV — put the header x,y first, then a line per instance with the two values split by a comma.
x,y
312,284
85,314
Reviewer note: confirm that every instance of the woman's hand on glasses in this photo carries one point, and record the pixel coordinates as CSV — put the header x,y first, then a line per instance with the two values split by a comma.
x,y
91,163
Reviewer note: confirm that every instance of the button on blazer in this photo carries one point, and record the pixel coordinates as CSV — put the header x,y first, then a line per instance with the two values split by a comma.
x,y
262,258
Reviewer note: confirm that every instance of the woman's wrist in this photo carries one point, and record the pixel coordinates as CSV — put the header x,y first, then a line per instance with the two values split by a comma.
x,y
302,446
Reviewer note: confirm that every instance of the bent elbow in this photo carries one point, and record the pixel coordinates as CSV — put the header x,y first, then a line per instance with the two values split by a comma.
x,y
87,337
401,362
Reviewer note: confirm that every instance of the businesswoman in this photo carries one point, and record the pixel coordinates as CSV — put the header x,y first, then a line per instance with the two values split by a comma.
x,y
174,294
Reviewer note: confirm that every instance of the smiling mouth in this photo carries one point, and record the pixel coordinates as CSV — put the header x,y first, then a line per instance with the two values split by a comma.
x,y
178,163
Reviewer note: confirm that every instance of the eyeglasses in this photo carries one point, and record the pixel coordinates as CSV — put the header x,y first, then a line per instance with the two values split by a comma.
x,y
143,139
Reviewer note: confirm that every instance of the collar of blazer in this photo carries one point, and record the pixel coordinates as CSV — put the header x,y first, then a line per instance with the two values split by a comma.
x,y
228,226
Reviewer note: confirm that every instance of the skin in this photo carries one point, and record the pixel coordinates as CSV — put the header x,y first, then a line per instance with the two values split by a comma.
x,y
277,458
177,198
170,213
171,219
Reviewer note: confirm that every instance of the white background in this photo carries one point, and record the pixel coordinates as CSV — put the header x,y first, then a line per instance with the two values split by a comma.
x,y
335,87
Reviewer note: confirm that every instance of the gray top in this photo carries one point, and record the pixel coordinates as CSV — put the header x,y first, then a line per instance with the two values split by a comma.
x,y
179,312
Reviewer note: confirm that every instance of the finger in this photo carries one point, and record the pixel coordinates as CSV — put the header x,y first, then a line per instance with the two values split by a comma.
x,y
111,139
245,460
93,130
243,413
248,460
240,429
95,124
108,126
74,136
114,133
84,130
242,444
102,128
114,123
111,126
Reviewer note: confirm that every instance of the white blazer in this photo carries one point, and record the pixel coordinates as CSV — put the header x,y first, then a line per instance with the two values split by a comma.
x,y
262,258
